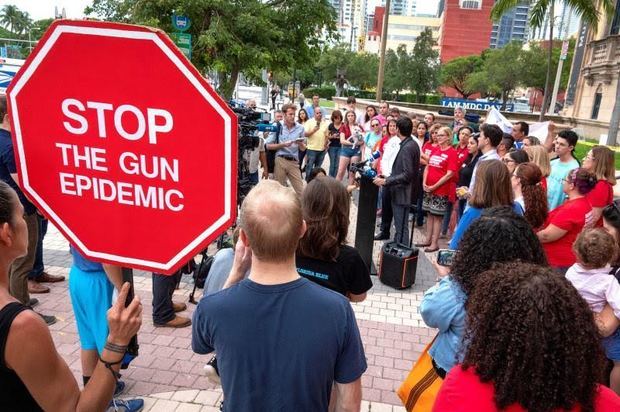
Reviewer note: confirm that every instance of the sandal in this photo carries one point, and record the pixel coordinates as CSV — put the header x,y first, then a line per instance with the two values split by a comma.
x,y
422,244
429,250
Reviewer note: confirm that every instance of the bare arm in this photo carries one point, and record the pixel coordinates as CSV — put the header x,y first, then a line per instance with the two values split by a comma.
x,y
114,274
444,179
356,298
597,212
550,234
30,352
242,262
263,161
548,143
348,396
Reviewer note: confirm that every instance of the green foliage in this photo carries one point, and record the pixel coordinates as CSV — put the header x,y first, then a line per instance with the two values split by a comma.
x,y
455,73
233,37
39,27
360,69
423,76
15,20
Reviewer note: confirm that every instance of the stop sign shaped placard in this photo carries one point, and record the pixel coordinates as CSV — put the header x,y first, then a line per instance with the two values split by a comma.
x,y
123,145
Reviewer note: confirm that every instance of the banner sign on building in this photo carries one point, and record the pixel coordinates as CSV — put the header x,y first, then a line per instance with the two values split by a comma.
x,y
474,105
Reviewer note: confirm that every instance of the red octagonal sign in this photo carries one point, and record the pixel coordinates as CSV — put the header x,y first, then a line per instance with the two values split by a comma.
x,y
123,145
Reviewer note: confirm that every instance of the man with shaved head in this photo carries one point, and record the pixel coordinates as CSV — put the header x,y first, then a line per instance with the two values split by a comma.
x,y
282,341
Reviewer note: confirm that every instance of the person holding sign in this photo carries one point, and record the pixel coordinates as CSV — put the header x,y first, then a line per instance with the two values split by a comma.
x,y
33,374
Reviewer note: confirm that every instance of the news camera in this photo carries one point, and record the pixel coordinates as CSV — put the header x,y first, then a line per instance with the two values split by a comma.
x,y
250,123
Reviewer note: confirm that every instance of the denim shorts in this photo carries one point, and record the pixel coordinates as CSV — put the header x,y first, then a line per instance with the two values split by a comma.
x,y
350,152
611,344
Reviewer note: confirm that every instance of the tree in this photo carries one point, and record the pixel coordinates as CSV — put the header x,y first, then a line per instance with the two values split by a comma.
x,y
504,69
241,36
39,27
586,9
423,76
397,69
455,72
15,20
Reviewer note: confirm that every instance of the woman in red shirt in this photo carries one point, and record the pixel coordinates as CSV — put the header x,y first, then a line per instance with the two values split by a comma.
x,y
442,165
568,220
533,346
600,161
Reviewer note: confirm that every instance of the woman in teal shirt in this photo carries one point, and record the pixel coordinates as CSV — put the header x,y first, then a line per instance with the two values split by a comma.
x,y
499,235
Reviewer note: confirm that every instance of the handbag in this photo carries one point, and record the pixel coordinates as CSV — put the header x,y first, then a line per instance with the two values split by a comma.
x,y
419,390
271,154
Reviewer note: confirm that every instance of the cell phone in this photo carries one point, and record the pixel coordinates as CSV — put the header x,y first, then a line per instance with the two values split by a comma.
x,y
300,140
445,257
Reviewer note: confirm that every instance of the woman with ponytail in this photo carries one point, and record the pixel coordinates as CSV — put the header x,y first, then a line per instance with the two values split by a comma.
x,y
530,194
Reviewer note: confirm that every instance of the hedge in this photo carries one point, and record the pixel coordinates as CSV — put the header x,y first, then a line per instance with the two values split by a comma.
x,y
327,92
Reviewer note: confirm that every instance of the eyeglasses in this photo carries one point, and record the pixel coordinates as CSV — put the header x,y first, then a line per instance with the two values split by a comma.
x,y
375,125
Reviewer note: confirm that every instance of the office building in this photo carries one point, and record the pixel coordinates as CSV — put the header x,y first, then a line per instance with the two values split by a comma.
x,y
465,28
513,26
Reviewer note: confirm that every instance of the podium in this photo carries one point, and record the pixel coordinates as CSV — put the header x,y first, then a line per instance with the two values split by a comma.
x,y
366,220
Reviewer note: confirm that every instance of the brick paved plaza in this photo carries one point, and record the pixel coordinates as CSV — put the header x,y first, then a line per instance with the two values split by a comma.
x,y
170,376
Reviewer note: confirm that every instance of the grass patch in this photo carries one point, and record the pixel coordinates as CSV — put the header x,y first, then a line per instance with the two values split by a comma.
x,y
582,150
329,104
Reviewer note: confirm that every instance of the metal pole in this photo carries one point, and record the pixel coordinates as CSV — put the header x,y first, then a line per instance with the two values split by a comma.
x,y
384,31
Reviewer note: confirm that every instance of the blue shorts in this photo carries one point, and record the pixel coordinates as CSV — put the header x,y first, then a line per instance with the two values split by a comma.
x,y
611,344
91,297
349,152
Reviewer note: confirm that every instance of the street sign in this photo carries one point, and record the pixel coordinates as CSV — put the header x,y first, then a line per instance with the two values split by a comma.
x,y
135,160
564,52
181,23
184,43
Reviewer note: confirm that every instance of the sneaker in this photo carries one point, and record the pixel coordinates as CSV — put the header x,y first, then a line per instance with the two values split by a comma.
x,y
49,319
120,387
212,372
126,405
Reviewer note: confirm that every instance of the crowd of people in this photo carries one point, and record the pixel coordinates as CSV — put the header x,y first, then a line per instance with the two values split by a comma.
x,y
527,314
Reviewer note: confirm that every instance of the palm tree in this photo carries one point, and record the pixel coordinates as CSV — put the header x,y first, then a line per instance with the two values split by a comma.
x,y
586,9
10,17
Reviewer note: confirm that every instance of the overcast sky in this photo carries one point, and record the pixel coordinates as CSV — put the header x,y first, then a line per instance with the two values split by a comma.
x,y
44,9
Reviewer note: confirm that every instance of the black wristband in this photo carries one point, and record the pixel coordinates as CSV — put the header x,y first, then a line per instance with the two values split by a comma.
x,y
109,365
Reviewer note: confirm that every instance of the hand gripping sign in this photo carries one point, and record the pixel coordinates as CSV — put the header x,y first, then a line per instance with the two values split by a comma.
x,y
123,145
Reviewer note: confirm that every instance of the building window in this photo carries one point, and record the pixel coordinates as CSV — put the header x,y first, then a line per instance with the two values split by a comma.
x,y
598,96
470,4
615,24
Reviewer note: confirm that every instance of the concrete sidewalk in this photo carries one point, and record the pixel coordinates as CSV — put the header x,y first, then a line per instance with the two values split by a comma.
x,y
170,376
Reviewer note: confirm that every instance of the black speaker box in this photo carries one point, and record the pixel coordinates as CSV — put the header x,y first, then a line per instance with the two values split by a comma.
x,y
398,265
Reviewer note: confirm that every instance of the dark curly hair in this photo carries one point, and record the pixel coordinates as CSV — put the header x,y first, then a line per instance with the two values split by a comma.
x,y
534,196
532,335
499,235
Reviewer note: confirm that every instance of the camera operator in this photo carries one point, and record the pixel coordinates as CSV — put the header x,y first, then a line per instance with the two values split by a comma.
x,y
257,155
405,171
289,141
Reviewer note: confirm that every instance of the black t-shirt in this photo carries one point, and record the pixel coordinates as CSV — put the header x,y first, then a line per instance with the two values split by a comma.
x,y
467,170
334,141
348,274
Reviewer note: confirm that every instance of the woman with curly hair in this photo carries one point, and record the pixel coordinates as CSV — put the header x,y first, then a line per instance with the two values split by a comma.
x,y
600,161
532,346
493,188
529,193
568,220
322,255
498,236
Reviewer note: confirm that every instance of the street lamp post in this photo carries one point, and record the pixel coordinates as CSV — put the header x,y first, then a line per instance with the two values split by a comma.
x,y
384,31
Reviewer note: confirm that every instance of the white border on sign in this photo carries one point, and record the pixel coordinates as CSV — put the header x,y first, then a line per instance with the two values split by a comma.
x,y
138,35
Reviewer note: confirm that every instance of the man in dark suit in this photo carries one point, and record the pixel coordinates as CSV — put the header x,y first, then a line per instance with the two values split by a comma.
x,y
400,183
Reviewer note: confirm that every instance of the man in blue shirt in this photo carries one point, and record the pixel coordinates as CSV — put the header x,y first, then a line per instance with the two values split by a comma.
x,y
315,106
289,141
21,268
282,341
520,131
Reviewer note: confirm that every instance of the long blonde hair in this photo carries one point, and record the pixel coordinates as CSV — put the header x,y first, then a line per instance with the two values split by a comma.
x,y
604,164
539,156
